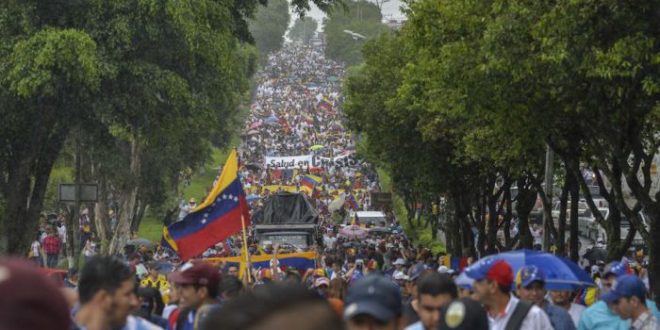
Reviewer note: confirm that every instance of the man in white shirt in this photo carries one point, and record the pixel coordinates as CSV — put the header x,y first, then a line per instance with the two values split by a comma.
x,y
492,287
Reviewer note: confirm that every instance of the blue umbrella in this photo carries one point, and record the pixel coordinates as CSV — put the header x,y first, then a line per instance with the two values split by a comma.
x,y
271,120
560,273
252,197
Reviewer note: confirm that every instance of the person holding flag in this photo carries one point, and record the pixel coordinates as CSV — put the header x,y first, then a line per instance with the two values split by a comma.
x,y
223,213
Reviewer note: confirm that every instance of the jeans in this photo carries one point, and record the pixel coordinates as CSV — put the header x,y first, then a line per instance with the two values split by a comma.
x,y
51,260
37,260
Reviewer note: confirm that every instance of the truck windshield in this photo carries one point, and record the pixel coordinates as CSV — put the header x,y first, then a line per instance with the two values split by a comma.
x,y
296,240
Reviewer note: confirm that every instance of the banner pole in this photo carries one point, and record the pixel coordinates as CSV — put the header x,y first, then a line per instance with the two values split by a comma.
x,y
246,251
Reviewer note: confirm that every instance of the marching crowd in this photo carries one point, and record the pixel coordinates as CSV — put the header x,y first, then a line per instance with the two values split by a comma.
x,y
372,279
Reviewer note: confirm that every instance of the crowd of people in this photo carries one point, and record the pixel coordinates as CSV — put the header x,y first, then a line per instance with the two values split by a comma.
x,y
378,279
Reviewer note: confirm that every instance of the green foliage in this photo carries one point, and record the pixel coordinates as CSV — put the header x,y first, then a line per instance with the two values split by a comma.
x,y
303,30
487,85
269,25
360,17
146,87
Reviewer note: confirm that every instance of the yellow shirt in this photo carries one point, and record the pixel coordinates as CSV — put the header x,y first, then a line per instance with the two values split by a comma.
x,y
160,283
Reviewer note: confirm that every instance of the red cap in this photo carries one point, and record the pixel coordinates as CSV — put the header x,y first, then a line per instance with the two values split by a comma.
x,y
200,273
29,299
501,273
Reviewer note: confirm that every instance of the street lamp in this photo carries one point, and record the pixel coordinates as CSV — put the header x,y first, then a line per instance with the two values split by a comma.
x,y
355,36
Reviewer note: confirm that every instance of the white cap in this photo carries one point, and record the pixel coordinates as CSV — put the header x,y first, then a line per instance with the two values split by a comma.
x,y
399,261
399,276
445,270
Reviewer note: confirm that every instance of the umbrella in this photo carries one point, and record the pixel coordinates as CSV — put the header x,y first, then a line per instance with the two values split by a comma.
x,y
316,147
380,230
252,197
253,166
140,241
560,273
165,267
353,231
595,254
271,120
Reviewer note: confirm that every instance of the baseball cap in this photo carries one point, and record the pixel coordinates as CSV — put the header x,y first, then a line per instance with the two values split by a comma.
x,y
321,281
199,273
617,268
529,274
399,261
373,295
626,286
464,313
30,299
417,271
495,270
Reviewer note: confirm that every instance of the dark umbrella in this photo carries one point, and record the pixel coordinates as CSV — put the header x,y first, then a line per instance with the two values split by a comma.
x,y
253,167
595,254
140,241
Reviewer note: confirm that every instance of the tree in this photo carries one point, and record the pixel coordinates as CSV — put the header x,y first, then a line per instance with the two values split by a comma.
x,y
142,76
303,30
361,17
269,25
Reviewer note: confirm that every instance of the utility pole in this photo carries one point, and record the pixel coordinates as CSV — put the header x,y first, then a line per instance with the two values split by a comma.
x,y
549,183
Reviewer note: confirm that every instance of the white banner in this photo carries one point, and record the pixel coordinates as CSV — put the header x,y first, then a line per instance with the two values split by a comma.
x,y
311,161
289,162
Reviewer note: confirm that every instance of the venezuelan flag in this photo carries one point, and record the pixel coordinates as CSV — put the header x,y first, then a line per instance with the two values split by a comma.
x,y
310,181
215,219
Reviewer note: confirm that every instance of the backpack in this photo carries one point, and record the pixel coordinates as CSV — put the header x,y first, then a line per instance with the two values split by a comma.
x,y
518,316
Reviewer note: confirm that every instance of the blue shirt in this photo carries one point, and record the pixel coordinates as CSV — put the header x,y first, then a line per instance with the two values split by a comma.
x,y
598,316
558,316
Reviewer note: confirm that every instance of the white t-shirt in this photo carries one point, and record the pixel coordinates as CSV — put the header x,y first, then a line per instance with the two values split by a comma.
x,y
61,231
329,241
36,248
576,312
536,318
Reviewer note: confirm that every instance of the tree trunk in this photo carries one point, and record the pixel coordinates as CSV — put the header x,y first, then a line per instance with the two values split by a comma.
x,y
573,235
561,221
28,173
525,201
127,202
101,219
575,200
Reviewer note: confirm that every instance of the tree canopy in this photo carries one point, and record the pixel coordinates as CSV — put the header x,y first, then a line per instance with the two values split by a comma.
x,y
303,30
269,25
138,90
483,87
360,17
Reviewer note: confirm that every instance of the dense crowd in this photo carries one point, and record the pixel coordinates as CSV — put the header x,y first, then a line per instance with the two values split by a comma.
x,y
368,277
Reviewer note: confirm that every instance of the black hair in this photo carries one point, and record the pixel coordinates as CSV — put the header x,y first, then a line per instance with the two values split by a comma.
x,y
231,286
433,283
212,290
504,288
251,308
102,273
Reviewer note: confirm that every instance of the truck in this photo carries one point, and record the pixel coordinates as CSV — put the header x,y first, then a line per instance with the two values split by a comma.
x,y
288,219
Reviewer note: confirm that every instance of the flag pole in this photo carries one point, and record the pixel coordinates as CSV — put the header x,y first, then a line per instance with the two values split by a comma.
x,y
246,251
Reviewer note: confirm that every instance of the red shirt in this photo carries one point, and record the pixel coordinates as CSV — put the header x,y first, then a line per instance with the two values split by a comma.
x,y
51,244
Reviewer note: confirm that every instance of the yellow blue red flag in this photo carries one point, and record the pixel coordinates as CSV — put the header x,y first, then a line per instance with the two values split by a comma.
x,y
215,219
